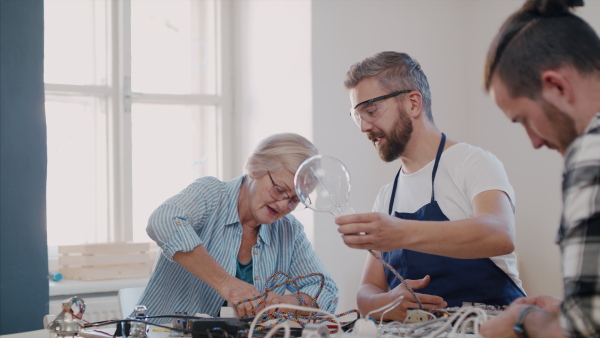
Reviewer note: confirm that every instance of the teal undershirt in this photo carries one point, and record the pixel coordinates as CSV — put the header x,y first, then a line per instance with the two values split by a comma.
x,y
244,272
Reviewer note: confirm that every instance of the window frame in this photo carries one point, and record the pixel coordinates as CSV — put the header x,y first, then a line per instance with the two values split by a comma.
x,y
120,98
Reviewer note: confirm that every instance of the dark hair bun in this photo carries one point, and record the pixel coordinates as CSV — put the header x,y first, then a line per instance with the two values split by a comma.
x,y
551,7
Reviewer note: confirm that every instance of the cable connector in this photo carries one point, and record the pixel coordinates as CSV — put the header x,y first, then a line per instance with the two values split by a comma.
x,y
138,327
64,327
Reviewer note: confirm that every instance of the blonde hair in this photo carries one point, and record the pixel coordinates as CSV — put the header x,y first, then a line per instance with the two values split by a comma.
x,y
286,150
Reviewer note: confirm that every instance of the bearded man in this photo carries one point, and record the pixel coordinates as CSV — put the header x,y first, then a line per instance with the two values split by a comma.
x,y
446,222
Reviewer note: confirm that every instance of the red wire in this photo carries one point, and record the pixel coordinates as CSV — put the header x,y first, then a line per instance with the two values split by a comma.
x,y
92,324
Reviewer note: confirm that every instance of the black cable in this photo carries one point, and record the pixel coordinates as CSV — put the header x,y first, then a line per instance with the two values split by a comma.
x,y
130,320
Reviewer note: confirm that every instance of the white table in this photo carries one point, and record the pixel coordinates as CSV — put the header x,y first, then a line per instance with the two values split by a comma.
x,y
87,334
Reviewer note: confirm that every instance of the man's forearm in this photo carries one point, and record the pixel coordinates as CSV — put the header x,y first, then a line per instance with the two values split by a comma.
x,y
485,237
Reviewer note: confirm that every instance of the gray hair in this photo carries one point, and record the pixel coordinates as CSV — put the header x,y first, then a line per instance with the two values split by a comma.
x,y
394,71
285,150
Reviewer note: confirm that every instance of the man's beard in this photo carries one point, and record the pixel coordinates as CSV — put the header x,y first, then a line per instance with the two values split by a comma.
x,y
396,142
563,125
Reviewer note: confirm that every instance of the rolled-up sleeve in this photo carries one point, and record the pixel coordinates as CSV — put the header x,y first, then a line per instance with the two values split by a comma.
x,y
170,229
174,225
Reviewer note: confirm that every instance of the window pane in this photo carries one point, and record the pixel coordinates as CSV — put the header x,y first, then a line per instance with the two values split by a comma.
x,y
76,186
172,147
173,46
75,45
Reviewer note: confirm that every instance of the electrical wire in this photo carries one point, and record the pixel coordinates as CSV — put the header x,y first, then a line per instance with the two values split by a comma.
x,y
284,315
463,321
279,316
81,307
459,320
140,320
294,307
284,325
402,281
289,280
388,307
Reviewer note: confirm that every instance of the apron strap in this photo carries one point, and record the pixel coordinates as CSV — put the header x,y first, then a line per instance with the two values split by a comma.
x,y
437,161
435,166
394,191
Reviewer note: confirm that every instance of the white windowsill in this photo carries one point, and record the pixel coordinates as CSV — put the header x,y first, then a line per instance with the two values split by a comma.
x,y
69,288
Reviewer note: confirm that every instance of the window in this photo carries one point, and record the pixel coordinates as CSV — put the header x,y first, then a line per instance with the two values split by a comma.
x,y
136,109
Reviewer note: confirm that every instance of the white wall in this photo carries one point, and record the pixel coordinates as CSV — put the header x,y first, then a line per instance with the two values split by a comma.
x,y
271,72
272,76
449,38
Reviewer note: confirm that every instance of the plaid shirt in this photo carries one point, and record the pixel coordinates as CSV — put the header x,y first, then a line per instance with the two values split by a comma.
x,y
579,235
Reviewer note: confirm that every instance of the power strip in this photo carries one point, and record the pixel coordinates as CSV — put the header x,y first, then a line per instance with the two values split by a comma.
x,y
419,316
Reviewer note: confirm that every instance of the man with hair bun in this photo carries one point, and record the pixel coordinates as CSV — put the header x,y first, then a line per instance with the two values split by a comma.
x,y
543,71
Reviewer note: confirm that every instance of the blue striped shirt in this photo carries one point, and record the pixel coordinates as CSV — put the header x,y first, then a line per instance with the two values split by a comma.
x,y
205,213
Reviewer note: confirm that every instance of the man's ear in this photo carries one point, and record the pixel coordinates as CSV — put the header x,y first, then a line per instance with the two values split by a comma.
x,y
557,89
416,103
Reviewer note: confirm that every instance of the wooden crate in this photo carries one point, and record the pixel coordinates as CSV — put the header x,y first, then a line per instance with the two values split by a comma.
x,y
106,261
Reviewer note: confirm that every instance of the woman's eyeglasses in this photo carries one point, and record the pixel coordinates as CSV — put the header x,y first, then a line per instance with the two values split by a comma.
x,y
279,194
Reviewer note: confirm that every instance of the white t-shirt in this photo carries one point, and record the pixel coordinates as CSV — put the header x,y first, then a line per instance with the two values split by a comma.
x,y
463,172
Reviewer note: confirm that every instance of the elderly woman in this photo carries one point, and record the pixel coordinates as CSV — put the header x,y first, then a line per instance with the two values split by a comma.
x,y
221,241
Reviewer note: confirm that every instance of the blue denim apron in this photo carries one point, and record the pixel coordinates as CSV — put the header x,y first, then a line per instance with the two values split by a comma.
x,y
455,280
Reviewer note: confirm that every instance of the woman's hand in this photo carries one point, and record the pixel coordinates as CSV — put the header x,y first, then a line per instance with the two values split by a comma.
x,y
234,291
200,263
